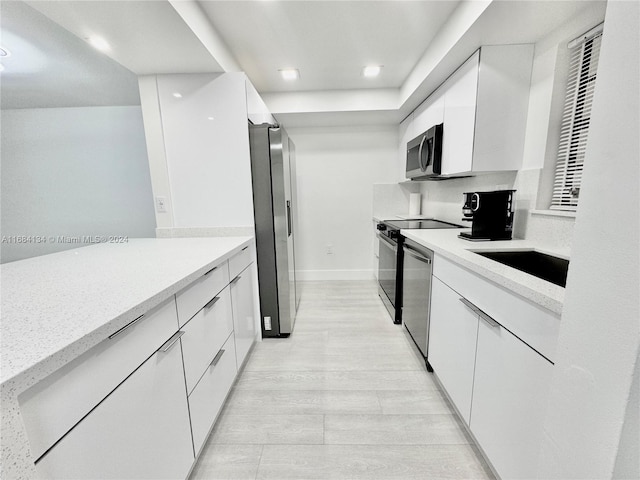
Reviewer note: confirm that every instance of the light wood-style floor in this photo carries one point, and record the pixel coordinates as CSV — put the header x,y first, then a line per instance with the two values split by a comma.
x,y
345,397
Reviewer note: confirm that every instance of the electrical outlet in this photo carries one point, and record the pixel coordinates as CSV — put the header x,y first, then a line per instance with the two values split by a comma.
x,y
267,323
161,204
329,249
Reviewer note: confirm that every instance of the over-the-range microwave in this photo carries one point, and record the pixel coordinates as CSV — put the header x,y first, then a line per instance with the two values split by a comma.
x,y
424,154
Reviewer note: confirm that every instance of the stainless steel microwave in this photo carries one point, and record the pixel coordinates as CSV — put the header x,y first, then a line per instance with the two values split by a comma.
x,y
424,154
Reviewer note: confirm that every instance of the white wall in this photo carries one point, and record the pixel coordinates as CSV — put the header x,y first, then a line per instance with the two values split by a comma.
x,y
600,331
336,170
73,172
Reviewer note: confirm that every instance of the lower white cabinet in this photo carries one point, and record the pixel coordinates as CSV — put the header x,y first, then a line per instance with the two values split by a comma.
x,y
244,320
141,430
204,335
452,345
509,401
497,381
208,396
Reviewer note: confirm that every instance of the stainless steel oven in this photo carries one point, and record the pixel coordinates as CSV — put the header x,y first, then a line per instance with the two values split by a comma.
x,y
387,272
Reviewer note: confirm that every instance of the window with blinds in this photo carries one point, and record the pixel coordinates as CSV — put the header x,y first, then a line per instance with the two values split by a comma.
x,y
583,66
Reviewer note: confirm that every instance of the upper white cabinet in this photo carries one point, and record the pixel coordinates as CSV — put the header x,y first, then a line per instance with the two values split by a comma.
x,y
485,111
198,139
429,113
483,106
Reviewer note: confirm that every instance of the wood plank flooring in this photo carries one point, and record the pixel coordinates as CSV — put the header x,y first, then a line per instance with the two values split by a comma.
x,y
345,397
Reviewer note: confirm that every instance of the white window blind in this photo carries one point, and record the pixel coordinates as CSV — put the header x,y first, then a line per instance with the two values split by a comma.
x,y
583,66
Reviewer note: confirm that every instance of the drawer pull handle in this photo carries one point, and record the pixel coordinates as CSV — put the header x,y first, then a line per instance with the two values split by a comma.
x,y
130,324
217,358
171,342
469,305
214,268
244,248
490,321
235,280
212,302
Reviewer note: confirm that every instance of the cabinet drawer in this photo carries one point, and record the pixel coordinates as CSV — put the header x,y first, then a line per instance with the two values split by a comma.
x,y
239,262
140,431
51,407
534,325
199,293
207,398
204,336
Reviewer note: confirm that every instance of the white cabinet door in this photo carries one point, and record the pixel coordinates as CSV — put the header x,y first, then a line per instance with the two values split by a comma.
x,y
204,122
141,430
206,400
452,344
459,117
509,401
244,319
429,113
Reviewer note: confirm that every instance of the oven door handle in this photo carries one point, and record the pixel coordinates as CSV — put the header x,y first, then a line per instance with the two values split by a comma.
x,y
390,243
417,255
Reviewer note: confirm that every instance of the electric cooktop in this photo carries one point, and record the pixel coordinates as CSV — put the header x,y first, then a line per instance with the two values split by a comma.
x,y
419,224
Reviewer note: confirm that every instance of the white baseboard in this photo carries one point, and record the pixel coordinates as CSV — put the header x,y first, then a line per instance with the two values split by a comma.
x,y
310,275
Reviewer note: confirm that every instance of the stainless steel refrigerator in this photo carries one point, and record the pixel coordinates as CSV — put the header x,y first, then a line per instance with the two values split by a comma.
x,y
274,206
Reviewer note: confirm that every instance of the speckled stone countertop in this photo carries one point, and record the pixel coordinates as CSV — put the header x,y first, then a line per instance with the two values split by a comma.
x,y
56,307
447,244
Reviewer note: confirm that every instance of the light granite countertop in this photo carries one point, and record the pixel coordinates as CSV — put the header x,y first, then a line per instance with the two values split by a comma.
x,y
447,244
56,307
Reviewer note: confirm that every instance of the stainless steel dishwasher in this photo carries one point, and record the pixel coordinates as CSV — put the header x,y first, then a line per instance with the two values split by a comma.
x,y
416,296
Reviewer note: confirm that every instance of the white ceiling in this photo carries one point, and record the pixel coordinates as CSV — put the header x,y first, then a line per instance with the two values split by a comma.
x,y
50,67
418,42
327,41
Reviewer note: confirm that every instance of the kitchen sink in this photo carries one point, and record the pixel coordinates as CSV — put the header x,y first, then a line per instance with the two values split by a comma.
x,y
547,267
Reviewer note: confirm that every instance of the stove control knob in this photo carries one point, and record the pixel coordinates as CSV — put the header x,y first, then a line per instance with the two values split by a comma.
x,y
381,226
393,234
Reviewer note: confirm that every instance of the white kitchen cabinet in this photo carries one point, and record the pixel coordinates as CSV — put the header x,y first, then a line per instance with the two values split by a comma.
x,y
452,345
485,111
429,113
54,405
204,335
206,144
244,318
207,398
509,401
141,430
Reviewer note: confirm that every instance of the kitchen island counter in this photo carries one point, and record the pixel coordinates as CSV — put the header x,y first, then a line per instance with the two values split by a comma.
x,y
56,307
447,244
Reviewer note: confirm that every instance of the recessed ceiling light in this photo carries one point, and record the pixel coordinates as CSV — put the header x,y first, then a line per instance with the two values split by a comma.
x,y
4,52
177,94
371,71
210,118
99,43
290,74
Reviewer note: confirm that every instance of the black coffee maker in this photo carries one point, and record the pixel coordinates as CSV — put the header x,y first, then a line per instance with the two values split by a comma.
x,y
491,214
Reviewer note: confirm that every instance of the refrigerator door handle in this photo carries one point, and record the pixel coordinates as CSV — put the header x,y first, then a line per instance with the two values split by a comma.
x,y
288,218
